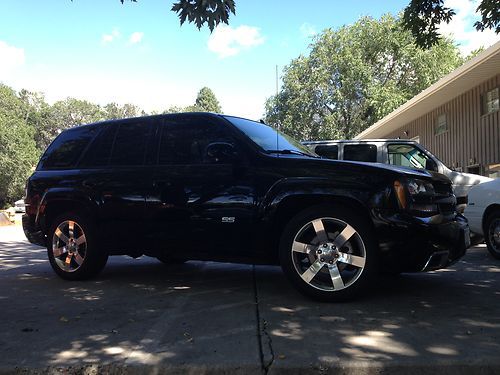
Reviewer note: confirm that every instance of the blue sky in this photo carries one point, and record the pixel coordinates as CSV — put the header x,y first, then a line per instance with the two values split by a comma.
x,y
104,51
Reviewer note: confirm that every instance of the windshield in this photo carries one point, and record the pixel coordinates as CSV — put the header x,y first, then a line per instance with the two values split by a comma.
x,y
267,138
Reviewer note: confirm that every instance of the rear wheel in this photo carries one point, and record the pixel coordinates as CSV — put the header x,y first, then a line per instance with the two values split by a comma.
x,y
328,254
492,233
73,249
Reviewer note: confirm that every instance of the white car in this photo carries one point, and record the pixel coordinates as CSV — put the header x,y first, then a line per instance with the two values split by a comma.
x,y
483,214
19,206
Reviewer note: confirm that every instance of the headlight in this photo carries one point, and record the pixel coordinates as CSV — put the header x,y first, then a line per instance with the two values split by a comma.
x,y
416,196
419,187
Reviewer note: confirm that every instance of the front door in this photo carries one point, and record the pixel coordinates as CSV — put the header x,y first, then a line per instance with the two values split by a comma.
x,y
196,205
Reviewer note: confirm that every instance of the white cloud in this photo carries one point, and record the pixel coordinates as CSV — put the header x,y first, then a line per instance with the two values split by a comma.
x,y
307,30
10,58
226,41
108,38
136,37
461,27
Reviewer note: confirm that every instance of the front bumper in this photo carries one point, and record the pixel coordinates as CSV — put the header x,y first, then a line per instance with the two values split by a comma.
x,y
412,244
33,232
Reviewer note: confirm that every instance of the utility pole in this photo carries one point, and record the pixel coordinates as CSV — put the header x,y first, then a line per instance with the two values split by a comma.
x,y
276,80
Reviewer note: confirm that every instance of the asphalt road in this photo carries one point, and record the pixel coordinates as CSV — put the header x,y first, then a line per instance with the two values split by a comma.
x,y
140,315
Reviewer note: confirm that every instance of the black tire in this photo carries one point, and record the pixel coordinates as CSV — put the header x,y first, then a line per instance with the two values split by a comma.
x,y
354,278
491,233
86,259
168,260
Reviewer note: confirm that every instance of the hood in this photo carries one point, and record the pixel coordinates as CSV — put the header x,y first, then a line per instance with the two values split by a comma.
x,y
463,182
326,164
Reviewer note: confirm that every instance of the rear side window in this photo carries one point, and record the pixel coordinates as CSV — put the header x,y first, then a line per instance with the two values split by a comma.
x,y
67,148
99,152
328,151
366,153
130,143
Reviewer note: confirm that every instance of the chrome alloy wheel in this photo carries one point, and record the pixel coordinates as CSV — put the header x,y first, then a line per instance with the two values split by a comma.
x,y
328,254
494,234
69,246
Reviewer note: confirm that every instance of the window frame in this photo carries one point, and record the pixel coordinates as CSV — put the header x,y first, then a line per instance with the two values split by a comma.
x,y
438,126
484,101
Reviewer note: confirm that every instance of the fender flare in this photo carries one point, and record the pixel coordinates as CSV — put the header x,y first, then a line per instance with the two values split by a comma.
x,y
63,196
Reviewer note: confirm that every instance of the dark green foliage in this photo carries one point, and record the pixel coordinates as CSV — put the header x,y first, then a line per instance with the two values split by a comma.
x,y
199,12
490,15
422,18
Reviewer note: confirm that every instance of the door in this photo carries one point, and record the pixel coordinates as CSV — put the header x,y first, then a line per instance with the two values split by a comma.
x,y
117,178
199,206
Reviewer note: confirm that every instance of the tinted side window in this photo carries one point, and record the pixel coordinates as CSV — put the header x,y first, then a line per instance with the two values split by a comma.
x,y
360,153
184,142
130,143
328,151
99,152
67,148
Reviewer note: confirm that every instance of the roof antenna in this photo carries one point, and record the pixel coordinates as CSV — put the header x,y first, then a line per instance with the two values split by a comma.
x,y
277,123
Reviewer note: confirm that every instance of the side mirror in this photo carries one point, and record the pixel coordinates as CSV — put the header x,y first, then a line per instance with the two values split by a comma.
x,y
220,152
430,165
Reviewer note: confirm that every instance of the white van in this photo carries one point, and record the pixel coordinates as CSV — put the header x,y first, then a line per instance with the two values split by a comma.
x,y
401,152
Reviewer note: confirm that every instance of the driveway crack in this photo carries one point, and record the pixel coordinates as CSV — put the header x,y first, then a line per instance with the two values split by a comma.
x,y
265,343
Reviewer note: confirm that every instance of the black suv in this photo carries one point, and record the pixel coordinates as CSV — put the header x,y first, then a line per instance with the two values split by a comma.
x,y
212,187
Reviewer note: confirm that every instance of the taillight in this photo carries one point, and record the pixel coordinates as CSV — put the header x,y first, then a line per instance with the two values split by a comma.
x,y
31,200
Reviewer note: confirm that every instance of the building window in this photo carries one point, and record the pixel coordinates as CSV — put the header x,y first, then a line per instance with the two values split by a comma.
x,y
490,101
441,125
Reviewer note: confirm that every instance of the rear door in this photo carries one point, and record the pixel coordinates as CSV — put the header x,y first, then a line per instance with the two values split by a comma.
x,y
116,176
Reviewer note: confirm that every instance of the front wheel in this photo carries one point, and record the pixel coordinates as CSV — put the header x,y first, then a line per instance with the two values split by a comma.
x,y
328,254
73,249
492,233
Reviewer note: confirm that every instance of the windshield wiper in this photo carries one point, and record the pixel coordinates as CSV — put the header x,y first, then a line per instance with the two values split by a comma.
x,y
291,152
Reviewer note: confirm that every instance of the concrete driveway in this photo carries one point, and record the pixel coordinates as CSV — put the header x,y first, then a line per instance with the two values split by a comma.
x,y
140,315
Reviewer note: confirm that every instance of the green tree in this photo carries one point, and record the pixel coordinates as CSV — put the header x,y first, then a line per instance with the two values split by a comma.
x,y
206,101
18,152
354,76
114,111
71,112
422,18
38,116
